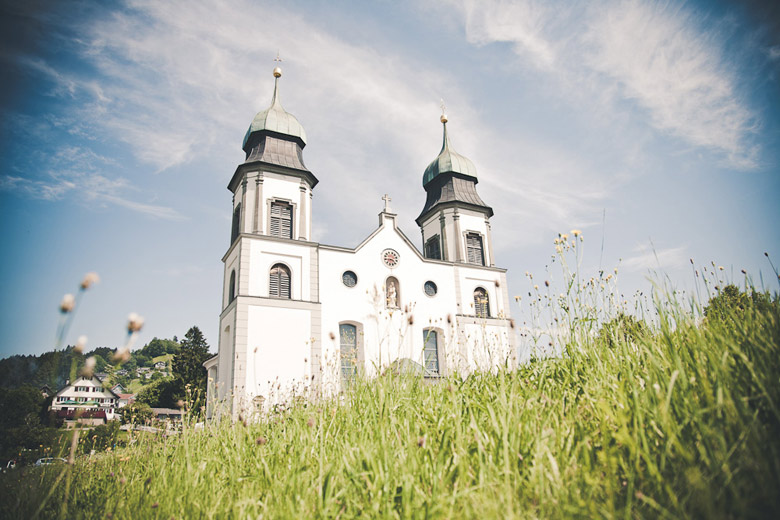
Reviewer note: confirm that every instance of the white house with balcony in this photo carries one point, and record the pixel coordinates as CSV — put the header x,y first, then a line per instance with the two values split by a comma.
x,y
86,400
301,318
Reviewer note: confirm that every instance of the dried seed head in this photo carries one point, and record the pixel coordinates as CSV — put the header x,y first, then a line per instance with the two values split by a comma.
x,y
421,442
122,355
180,403
261,441
310,422
134,322
67,303
80,344
332,336
89,280
411,319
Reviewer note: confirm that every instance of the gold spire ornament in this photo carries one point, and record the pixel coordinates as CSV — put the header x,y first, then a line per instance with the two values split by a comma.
x,y
277,69
443,117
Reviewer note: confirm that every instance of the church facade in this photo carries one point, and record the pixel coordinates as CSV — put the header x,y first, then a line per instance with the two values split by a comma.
x,y
300,318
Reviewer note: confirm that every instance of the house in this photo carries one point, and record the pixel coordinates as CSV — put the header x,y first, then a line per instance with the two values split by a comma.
x,y
160,365
118,388
302,318
125,399
86,400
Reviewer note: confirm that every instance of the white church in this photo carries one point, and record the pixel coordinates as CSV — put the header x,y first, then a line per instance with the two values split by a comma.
x,y
300,318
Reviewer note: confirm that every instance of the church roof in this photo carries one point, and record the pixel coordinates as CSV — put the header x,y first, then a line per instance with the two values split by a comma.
x,y
275,118
448,160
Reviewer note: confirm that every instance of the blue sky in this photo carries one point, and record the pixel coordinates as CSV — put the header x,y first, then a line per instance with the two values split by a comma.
x,y
651,126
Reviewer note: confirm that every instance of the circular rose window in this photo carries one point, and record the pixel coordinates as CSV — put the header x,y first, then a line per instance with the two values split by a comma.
x,y
390,258
430,288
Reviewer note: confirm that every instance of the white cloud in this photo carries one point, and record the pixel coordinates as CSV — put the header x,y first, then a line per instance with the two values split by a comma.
x,y
656,54
646,257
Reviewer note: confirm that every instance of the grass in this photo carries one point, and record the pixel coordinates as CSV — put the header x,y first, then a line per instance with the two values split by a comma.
x,y
676,416
680,421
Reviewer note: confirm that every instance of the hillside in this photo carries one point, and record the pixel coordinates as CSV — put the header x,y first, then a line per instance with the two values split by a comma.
x,y
676,420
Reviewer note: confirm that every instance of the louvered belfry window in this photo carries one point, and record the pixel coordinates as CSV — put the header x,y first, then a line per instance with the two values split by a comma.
x,y
481,303
432,249
279,282
236,228
281,220
474,249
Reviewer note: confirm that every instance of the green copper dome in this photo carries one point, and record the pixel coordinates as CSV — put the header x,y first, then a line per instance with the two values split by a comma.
x,y
275,118
448,161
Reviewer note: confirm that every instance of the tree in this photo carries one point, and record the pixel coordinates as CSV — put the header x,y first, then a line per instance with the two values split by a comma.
x,y
730,305
164,393
188,362
137,413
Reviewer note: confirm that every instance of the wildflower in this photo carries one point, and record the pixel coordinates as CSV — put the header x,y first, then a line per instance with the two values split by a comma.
x,y
123,481
518,298
411,319
546,283
310,422
720,267
657,387
616,271
744,272
558,249
449,318
180,404
536,287
691,261
260,441
89,279
67,303
332,336
80,344
421,442
155,505
576,232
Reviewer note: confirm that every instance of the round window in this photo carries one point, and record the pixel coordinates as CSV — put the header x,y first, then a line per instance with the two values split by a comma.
x,y
349,278
430,288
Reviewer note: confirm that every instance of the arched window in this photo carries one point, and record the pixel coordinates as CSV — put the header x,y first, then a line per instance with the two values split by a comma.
x,y
481,303
349,351
279,282
232,288
392,293
431,351
236,223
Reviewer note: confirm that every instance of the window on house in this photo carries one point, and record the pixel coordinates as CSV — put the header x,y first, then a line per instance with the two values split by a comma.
x,y
348,343
431,351
281,220
279,282
433,248
474,251
236,223
232,288
481,303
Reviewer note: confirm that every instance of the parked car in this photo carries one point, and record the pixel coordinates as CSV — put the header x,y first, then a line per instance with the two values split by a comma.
x,y
45,461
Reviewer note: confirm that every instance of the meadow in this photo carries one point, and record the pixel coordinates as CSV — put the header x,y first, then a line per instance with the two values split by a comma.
x,y
676,416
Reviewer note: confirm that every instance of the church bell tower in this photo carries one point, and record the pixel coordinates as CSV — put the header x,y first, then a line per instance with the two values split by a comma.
x,y
455,221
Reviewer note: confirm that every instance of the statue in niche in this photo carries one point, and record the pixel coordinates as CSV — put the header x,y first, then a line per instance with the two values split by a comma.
x,y
392,294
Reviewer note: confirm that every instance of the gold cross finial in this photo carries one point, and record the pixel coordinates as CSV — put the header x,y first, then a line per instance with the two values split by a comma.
x,y
443,117
277,69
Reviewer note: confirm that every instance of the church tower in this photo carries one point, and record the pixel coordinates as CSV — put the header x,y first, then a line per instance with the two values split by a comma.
x,y
455,221
270,291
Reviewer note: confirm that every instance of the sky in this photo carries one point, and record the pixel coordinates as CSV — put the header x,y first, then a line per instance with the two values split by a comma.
x,y
653,127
